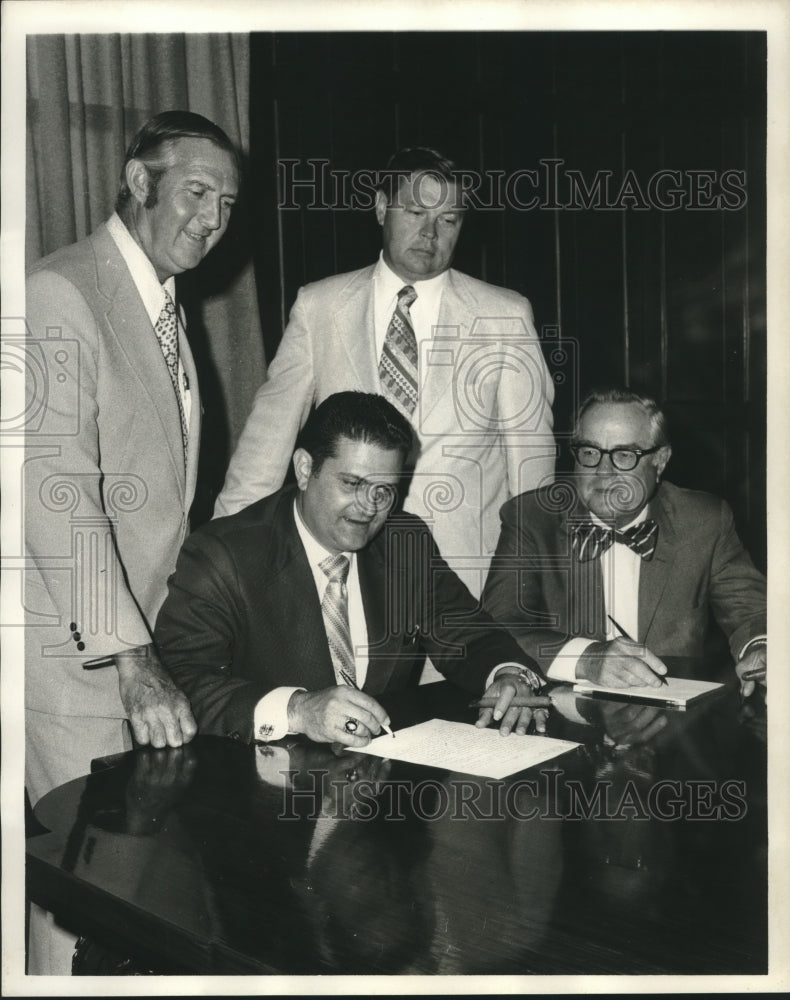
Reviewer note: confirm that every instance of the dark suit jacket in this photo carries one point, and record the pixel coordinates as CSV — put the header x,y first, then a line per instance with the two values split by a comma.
x,y
544,597
242,615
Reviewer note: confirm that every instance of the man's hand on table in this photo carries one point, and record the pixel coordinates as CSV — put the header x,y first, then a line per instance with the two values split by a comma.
x,y
159,713
322,715
507,685
620,663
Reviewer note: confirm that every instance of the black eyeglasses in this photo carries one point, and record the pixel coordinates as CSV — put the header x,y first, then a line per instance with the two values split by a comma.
x,y
623,459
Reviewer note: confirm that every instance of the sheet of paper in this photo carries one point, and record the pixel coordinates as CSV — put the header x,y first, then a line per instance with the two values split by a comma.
x,y
458,746
676,691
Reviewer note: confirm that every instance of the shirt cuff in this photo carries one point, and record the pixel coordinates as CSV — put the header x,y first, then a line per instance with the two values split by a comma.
x,y
756,642
563,667
270,719
534,679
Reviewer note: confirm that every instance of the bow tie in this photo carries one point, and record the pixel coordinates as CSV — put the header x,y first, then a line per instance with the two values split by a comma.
x,y
590,540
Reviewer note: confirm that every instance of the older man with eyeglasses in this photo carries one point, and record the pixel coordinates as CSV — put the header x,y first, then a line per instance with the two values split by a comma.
x,y
605,573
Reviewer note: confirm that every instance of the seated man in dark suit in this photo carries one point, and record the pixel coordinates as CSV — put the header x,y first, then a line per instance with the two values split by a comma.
x,y
293,614
599,576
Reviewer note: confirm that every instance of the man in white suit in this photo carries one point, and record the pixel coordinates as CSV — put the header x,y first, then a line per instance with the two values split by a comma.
x,y
458,356
110,470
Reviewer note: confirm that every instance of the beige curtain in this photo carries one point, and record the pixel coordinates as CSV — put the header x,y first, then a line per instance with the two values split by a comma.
x,y
87,96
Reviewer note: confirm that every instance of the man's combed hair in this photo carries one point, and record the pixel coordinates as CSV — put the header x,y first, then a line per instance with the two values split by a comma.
x,y
416,160
658,419
154,144
358,416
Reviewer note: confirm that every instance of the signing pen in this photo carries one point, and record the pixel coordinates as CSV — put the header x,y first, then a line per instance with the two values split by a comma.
x,y
352,683
751,674
100,663
625,635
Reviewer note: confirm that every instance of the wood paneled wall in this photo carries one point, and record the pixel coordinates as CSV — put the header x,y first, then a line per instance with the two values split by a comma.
x,y
667,298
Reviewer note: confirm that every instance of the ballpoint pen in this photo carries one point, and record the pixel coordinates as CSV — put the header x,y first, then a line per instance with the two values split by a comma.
x,y
625,635
533,701
99,664
352,683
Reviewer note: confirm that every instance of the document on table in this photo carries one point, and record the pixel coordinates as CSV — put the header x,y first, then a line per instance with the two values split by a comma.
x,y
676,693
458,746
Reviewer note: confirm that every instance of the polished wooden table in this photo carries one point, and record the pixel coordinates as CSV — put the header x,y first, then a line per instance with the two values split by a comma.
x,y
643,851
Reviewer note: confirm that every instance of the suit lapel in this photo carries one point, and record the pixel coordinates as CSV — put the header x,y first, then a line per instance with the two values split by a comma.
x,y
354,326
195,417
456,315
297,603
378,581
129,323
656,572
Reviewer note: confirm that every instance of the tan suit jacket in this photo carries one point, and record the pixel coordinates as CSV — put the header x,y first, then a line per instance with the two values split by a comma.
x,y
483,419
106,488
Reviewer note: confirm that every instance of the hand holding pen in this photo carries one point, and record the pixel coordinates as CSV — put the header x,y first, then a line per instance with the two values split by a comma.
x,y
352,683
511,701
621,663
625,635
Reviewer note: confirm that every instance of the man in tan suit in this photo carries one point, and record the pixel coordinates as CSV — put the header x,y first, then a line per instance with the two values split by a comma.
x,y
476,390
110,469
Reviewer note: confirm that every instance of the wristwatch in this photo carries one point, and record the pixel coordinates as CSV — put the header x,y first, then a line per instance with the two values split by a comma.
x,y
524,674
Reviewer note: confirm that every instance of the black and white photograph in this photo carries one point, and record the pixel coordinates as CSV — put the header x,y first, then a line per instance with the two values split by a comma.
x,y
393,446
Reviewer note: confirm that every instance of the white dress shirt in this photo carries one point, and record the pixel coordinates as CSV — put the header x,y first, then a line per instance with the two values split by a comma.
x,y
152,292
271,712
620,569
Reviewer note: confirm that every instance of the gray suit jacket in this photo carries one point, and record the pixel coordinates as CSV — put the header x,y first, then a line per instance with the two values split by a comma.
x,y
544,596
107,493
484,415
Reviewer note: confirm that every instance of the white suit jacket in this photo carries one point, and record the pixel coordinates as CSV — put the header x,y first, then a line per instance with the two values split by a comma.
x,y
483,418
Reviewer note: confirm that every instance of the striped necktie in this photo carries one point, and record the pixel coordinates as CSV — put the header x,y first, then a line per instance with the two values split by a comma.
x,y
334,607
590,540
398,366
166,330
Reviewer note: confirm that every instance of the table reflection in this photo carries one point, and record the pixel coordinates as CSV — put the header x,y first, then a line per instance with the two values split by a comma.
x,y
636,852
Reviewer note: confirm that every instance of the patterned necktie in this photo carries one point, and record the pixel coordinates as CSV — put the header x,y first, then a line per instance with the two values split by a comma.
x,y
335,610
398,366
591,540
166,330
